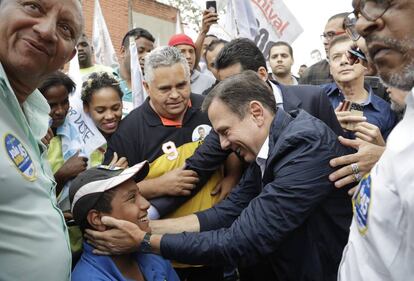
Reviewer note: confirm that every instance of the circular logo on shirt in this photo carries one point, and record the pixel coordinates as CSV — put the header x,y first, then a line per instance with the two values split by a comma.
x,y
20,157
362,201
200,132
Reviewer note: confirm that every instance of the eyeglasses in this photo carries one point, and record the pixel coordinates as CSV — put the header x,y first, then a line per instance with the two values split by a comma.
x,y
330,35
373,9
349,26
370,10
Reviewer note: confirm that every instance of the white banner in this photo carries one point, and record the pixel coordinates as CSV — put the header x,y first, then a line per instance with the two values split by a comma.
x,y
138,92
79,132
101,40
276,23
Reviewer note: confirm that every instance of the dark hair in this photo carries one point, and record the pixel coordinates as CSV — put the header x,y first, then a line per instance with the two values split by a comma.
x,y
338,16
303,65
239,90
243,51
97,81
137,33
102,205
282,43
338,39
57,78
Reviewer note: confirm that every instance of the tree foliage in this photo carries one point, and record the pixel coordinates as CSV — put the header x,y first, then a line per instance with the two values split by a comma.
x,y
191,13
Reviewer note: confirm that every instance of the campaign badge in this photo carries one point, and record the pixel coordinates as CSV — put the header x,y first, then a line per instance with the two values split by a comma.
x,y
200,132
362,202
20,157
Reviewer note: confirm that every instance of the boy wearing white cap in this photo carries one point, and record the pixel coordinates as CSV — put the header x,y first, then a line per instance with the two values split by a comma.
x,y
105,191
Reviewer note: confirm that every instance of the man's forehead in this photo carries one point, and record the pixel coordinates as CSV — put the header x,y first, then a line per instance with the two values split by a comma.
x,y
178,77
184,47
341,47
279,49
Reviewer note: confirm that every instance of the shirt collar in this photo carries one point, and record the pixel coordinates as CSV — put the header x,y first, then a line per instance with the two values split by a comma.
x,y
36,109
332,89
262,155
264,150
277,94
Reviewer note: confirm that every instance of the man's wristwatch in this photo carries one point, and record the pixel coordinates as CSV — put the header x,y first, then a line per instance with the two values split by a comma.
x,y
146,244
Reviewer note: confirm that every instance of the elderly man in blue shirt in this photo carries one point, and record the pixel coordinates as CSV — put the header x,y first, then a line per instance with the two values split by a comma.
x,y
349,86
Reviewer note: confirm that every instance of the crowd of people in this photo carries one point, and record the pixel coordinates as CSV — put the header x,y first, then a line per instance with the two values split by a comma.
x,y
232,168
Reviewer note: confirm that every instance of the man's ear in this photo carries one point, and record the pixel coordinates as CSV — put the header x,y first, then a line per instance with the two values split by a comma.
x,y
94,220
256,111
146,86
262,72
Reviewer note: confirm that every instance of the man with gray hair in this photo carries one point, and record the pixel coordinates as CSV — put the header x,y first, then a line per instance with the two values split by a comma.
x,y
164,131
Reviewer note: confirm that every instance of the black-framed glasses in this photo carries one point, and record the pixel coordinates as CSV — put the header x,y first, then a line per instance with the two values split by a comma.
x,y
373,9
370,10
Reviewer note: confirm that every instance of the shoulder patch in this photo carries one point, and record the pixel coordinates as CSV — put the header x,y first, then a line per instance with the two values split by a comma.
x,y
362,202
20,157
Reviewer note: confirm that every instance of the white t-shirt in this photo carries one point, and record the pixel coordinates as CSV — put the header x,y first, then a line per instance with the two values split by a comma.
x,y
200,82
381,241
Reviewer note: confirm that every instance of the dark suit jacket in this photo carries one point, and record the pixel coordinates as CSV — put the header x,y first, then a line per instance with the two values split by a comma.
x,y
209,156
298,221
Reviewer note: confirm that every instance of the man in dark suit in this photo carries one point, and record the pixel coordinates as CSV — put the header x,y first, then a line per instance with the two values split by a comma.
x,y
239,55
298,221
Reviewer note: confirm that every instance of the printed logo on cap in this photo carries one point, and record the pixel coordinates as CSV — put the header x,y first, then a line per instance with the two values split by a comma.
x,y
201,132
20,157
362,202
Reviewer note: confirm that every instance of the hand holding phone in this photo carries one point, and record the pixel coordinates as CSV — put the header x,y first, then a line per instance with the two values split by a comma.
x,y
353,113
211,6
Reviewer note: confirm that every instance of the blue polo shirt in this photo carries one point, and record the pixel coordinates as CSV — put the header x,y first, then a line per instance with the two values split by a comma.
x,y
94,267
376,110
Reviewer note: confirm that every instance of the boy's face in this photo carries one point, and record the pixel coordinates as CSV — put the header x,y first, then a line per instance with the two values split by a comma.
x,y
58,100
128,204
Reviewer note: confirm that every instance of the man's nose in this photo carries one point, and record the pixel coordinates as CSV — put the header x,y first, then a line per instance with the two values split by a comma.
x,y
46,28
174,93
224,143
143,204
365,27
344,59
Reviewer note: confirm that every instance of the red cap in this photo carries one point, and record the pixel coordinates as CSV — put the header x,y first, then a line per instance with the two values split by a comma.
x,y
180,39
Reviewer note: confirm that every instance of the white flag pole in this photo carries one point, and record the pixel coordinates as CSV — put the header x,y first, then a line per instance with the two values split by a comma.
x,y
101,40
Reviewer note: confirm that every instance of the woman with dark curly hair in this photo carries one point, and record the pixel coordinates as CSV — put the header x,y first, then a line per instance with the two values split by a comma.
x,y
102,100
